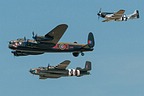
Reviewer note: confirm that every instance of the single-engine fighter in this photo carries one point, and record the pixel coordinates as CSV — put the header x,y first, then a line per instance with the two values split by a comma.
x,y
117,16
61,71
49,43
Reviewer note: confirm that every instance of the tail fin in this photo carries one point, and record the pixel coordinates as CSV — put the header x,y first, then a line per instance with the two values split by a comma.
x,y
137,12
91,41
135,15
88,66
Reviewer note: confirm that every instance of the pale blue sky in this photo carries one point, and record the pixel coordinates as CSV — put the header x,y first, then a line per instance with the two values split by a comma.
x,y
117,59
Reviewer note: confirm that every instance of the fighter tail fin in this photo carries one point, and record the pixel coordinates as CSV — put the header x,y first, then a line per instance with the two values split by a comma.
x,y
91,41
87,66
134,15
137,12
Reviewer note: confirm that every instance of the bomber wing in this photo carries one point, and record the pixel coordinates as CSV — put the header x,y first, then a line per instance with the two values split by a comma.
x,y
63,65
45,77
56,33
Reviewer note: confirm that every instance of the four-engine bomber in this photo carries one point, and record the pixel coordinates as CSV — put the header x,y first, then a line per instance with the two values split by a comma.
x,y
49,43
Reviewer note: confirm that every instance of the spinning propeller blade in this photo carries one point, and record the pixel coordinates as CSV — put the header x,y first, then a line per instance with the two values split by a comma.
x,y
34,36
99,13
24,38
48,66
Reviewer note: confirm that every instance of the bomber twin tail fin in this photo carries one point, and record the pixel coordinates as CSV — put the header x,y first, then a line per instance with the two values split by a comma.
x,y
87,66
91,41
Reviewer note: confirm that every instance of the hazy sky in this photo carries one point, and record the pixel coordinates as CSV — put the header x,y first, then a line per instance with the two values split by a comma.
x,y
117,59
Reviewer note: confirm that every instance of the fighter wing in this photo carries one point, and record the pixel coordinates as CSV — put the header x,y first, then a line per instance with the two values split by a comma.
x,y
118,14
115,16
106,20
56,33
63,65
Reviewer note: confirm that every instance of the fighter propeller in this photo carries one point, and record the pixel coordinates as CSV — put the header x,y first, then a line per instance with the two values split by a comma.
x,y
99,13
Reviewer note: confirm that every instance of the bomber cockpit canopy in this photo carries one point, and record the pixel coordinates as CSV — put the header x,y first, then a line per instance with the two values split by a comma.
x,y
20,39
42,67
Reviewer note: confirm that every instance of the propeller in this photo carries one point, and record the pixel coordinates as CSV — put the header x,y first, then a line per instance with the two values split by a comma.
x,y
99,13
48,66
34,36
25,41
24,38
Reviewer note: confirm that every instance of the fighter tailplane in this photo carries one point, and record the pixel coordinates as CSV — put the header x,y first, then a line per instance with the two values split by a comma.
x,y
135,15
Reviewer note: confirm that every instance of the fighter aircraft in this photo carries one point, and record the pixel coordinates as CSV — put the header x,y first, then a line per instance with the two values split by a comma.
x,y
49,43
117,16
61,71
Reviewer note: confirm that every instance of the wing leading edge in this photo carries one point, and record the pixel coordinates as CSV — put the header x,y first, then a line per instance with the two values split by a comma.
x,y
118,14
63,65
57,33
115,16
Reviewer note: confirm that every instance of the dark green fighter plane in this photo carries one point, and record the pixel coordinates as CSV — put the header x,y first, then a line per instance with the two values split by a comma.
x,y
61,71
49,43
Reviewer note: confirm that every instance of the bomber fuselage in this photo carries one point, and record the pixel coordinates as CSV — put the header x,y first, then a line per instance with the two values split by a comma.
x,y
33,46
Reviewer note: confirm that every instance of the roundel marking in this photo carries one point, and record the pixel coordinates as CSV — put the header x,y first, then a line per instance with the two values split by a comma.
x,y
62,46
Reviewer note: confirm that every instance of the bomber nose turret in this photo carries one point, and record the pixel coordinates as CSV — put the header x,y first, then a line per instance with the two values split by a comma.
x,y
98,14
32,71
11,46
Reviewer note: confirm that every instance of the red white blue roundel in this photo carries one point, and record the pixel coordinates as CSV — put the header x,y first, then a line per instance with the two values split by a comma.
x,y
89,42
62,46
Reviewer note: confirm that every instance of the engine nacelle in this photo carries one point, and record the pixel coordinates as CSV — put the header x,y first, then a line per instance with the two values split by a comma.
x,y
73,72
19,53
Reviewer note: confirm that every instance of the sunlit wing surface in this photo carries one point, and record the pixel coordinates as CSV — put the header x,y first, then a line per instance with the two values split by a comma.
x,y
118,14
115,16
63,65
57,33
